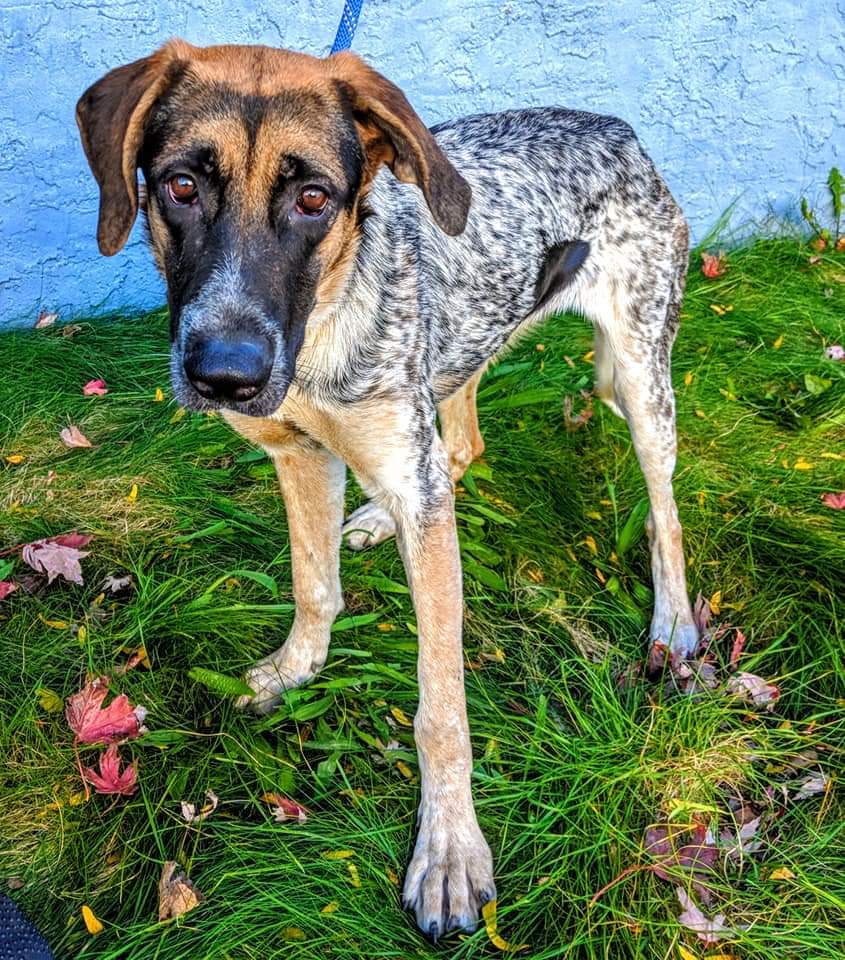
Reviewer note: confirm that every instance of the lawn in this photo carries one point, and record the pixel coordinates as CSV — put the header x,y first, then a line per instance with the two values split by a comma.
x,y
577,753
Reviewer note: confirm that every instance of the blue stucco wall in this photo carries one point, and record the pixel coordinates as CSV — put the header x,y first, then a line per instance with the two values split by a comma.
x,y
734,99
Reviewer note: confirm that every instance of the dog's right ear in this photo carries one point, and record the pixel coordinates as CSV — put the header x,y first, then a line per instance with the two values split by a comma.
x,y
111,115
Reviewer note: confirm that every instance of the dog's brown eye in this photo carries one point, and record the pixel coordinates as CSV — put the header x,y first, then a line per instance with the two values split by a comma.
x,y
182,189
312,201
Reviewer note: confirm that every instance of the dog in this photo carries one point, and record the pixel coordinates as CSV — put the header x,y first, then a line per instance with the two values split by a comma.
x,y
338,278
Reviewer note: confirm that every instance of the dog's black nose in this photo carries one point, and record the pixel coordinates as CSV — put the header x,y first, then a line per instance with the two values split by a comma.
x,y
229,369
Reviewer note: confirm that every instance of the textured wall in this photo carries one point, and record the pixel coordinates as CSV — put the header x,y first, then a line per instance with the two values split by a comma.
x,y
733,99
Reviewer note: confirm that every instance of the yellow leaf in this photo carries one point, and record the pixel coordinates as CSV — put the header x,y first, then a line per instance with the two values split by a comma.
x,y
77,799
601,577
802,464
488,911
393,877
400,717
330,907
778,343
717,309
701,498
594,515
337,854
686,954
589,356
48,700
132,496
782,873
159,396
354,879
590,543
701,414
688,378
15,458
92,924
716,602
180,413
55,624
292,933
832,456
385,627
405,770
82,634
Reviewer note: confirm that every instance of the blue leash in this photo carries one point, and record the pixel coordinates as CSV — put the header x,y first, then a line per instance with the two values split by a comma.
x,y
347,25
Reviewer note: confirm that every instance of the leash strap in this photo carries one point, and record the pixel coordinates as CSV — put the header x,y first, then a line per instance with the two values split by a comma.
x,y
347,25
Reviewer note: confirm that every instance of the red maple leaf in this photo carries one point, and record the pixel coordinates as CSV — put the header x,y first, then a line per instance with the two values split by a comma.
x,y
94,724
836,501
95,388
110,779
713,264
58,556
7,587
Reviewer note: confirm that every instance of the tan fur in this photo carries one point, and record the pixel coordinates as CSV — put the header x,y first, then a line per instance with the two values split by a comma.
x,y
459,427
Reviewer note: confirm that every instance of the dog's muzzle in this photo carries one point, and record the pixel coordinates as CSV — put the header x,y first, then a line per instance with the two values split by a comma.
x,y
227,370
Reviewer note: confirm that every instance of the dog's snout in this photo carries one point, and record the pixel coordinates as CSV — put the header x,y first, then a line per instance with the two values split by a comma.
x,y
229,369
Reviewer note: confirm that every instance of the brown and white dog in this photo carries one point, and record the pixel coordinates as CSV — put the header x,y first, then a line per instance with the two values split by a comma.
x,y
338,276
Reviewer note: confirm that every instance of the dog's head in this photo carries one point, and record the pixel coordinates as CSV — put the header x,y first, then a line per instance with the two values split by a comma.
x,y
256,164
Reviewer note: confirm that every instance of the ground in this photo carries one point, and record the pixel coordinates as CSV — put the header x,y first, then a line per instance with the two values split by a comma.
x,y
577,753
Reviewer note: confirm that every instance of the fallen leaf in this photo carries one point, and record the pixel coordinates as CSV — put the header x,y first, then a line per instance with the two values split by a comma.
x,y
190,813
710,931
751,687
491,925
176,893
45,319
835,352
778,343
15,883
713,264
111,779
132,496
685,954
70,329
15,459
716,603
285,809
93,724
92,924
115,585
292,933
137,656
72,436
159,395
802,464
737,648
57,557
782,873
330,907
337,854
836,501
811,785
7,587
53,624
354,879
688,378
95,388
401,717
49,700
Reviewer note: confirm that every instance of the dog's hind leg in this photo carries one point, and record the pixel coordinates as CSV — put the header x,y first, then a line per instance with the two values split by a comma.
x,y
638,329
312,482
370,523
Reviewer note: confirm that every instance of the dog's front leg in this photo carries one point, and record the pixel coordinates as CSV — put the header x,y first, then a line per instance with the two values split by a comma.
x,y
312,482
451,874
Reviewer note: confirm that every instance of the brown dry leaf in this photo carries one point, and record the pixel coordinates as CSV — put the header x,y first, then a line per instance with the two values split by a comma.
x,y
45,319
190,814
751,687
176,893
284,808
575,421
812,785
72,436
710,931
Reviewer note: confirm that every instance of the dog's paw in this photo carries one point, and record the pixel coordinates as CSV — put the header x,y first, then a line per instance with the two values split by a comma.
x,y
368,525
450,877
270,677
679,640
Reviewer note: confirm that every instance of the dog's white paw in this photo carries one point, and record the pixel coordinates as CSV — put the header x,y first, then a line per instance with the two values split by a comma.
x,y
283,670
368,525
450,876
679,639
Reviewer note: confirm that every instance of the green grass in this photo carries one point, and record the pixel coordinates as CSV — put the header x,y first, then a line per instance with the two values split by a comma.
x,y
571,764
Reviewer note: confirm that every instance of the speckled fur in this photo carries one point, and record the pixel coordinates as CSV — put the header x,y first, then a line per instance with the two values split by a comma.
x,y
403,329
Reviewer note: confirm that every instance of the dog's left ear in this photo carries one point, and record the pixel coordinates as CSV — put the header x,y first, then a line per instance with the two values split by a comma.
x,y
392,133
111,115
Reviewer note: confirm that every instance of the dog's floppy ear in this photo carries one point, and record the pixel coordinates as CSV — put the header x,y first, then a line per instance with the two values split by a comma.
x,y
392,133
111,116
